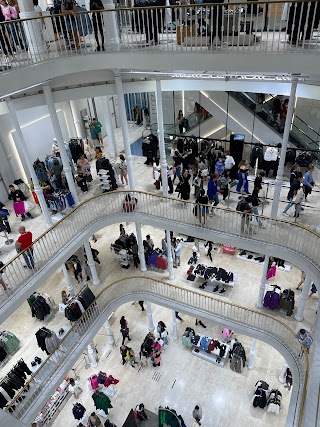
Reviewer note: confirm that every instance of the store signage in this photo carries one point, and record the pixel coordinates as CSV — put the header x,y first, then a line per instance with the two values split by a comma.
x,y
231,76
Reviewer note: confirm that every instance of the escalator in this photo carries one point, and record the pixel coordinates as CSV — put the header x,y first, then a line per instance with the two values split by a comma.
x,y
301,135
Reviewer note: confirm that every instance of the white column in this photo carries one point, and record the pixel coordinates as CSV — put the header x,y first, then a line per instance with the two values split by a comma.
x,y
91,264
174,326
263,282
77,120
311,402
92,355
163,158
25,152
110,337
252,353
124,127
58,134
66,107
170,258
107,114
285,138
68,281
110,24
150,318
282,376
303,299
32,29
143,266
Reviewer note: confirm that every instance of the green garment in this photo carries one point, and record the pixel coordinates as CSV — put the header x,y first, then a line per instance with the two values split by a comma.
x,y
97,125
166,416
101,401
57,169
9,342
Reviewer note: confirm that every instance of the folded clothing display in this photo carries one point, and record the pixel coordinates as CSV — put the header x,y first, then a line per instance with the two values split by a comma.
x,y
214,273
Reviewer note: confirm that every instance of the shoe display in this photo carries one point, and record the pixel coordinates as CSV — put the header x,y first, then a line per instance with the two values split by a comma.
x,y
222,291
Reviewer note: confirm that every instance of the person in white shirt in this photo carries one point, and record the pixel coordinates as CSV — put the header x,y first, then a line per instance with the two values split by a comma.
x,y
74,388
177,252
229,161
196,250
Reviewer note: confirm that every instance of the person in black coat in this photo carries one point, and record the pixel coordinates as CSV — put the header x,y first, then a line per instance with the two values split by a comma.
x,y
184,186
216,20
17,195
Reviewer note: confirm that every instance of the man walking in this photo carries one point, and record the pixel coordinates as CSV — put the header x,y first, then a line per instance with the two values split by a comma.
x,y
197,414
177,252
24,243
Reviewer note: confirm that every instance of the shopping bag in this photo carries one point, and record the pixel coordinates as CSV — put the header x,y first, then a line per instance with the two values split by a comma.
x,y
28,206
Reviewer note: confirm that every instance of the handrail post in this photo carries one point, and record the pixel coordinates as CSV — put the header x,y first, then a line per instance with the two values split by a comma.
x,y
285,139
22,145
58,134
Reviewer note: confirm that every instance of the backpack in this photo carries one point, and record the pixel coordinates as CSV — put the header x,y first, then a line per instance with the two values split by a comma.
x,y
242,206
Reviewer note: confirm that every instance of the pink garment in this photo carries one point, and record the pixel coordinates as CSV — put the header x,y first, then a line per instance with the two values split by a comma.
x,y
226,333
272,272
19,208
9,13
94,382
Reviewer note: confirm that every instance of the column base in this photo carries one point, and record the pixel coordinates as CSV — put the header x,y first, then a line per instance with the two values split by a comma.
x,y
298,318
258,305
281,379
96,282
143,269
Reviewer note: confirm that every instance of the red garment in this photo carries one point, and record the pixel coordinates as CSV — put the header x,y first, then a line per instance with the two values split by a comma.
x,y
26,240
19,208
94,382
35,197
212,346
162,263
272,272
110,380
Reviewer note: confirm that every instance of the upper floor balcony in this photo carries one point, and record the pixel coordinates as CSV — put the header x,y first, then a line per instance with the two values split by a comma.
x,y
216,37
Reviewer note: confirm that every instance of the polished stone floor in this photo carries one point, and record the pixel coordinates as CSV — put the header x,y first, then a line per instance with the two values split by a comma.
x,y
222,393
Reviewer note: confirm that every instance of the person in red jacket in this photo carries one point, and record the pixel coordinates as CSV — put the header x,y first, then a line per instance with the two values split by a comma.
x,y
24,243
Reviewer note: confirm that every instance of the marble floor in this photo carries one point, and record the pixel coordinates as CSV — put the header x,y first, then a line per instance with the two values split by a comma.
x,y
227,393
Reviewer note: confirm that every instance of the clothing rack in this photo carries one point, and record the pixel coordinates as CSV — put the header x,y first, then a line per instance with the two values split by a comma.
x,y
13,381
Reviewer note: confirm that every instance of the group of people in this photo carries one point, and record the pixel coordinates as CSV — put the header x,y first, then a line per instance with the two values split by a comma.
x,y
150,350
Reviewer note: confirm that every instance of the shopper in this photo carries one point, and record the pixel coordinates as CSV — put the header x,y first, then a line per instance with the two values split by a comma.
x,y
294,188
208,245
244,207
96,5
65,297
198,184
69,8
202,207
143,354
229,162
123,170
87,268
255,202
131,357
226,334
140,412
123,352
219,166
156,357
150,243
302,279
125,333
156,171
308,182
177,253
243,184
199,322
305,339
177,316
224,184
259,180
99,153
24,243
141,305
288,377
2,270
184,186
135,254
213,190
180,120
17,195
94,420
74,388
108,423
196,251
162,331
77,269
313,290
197,414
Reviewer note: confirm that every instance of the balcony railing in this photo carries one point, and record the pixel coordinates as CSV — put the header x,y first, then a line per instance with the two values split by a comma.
x,y
272,330
266,27
106,209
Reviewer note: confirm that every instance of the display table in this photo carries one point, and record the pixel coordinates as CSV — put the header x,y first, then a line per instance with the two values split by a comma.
x,y
213,281
216,248
214,356
286,268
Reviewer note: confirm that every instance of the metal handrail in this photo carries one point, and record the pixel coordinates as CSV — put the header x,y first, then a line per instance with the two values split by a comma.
x,y
293,237
227,311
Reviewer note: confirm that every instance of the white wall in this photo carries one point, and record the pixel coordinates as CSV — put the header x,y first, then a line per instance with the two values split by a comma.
x,y
38,133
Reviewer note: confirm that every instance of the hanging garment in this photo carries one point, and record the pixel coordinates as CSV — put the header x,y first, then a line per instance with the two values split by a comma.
x,y
40,309
3,353
272,297
287,301
52,342
19,208
94,382
271,272
101,401
9,341
271,154
78,411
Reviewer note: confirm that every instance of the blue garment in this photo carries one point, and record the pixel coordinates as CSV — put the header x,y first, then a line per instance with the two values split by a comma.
x,y
70,200
220,167
204,343
93,133
212,189
240,182
308,179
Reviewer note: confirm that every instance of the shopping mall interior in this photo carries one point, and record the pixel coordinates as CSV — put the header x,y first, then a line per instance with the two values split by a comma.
x,y
159,213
